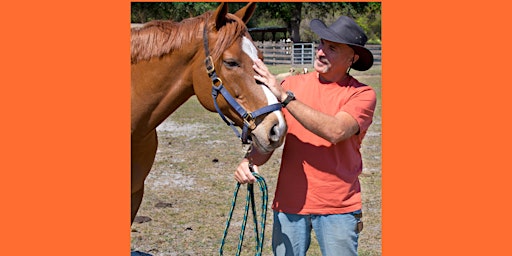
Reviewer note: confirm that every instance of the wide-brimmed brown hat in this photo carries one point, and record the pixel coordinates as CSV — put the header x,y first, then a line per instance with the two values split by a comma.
x,y
346,31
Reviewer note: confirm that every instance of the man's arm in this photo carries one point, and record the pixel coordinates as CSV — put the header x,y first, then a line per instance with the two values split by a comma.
x,y
332,128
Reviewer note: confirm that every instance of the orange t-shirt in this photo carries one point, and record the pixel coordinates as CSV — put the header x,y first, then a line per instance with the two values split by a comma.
x,y
316,176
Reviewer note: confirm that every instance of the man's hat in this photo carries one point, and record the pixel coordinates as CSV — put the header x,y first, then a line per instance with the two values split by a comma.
x,y
346,31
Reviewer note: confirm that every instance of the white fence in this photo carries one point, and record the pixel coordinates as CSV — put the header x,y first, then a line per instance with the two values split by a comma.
x,y
303,54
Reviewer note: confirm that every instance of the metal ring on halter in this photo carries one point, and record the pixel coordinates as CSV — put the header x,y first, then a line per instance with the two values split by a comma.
x,y
216,81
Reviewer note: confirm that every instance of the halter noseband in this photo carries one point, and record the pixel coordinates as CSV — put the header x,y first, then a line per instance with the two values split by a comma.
x,y
218,87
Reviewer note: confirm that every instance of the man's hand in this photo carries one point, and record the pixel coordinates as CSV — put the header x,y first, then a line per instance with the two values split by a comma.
x,y
243,174
265,77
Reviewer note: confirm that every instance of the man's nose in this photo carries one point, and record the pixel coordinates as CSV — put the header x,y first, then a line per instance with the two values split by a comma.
x,y
319,49
320,52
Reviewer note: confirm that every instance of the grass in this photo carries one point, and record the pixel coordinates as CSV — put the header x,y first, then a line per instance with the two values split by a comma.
x,y
193,172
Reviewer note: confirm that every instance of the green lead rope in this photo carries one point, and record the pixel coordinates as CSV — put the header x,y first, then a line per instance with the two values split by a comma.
x,y
249,201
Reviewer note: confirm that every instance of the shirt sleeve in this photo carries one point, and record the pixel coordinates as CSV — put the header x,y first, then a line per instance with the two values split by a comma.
x,y
361,107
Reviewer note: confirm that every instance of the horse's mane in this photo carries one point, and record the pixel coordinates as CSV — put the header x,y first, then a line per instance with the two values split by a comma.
x,y
160,37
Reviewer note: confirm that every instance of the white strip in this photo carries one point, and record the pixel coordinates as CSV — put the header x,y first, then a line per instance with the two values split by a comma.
x,y
271,99
249,48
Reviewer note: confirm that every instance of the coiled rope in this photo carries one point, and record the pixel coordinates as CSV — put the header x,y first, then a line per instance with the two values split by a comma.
x,y
249,201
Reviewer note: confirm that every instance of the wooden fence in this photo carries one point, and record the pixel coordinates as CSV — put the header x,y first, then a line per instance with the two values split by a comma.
x,y
297,54
275,53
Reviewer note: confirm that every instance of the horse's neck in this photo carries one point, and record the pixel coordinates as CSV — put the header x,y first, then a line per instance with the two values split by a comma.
x,y
159,87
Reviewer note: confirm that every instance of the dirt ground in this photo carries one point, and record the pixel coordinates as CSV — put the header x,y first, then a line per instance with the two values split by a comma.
x,y
189,190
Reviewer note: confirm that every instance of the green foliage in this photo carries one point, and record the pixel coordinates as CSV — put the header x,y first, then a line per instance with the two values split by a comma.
x,y
146,11
366,14
272,14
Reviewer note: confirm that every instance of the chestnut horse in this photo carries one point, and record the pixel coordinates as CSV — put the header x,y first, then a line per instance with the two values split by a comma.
x,y
171,61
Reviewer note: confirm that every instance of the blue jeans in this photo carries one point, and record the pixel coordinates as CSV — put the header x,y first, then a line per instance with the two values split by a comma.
x,y
336,234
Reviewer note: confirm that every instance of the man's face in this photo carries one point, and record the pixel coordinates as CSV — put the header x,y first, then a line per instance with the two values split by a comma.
x,y
333,57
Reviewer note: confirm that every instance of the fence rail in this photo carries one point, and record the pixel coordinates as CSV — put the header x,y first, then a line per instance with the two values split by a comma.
x,y
294,54
376,50
276,53
281,53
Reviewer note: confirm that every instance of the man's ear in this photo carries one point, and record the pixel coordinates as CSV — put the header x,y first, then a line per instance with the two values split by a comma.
x,y
355,58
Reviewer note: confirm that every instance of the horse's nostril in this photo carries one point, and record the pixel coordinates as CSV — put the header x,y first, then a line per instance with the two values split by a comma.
x,y
275,134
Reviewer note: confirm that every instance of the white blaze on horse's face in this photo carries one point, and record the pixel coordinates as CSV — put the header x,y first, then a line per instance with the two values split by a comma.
x,y
249,48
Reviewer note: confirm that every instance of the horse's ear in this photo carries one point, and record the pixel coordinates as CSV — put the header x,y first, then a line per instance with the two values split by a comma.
x,y
220,15
246,13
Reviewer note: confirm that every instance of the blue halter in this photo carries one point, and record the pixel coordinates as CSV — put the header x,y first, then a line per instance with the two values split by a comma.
x,y
218,87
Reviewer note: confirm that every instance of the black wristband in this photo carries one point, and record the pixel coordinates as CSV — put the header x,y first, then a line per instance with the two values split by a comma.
x,y
288,99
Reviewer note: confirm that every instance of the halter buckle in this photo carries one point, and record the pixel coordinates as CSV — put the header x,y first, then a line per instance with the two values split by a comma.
x,y
249,121
210,67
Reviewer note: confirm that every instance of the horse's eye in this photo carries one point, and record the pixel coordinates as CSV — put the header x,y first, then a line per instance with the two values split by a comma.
x,y
231,63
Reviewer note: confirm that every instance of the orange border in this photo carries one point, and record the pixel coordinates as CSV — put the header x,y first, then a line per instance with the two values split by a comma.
x,y
446,137
65,129
65,144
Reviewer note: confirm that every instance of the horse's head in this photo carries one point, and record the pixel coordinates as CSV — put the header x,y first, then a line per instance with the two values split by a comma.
x,y
227,41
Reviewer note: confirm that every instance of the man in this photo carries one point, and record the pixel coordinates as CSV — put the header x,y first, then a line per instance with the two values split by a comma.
x,y
328,113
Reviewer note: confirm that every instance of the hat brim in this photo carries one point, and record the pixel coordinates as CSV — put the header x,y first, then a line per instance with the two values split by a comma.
x,y
365,60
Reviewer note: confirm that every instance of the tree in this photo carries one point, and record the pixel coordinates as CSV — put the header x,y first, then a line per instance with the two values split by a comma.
x,y
295,16
296,11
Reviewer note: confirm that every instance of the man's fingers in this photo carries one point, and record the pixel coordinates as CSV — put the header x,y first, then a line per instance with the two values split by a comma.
x,y
243,174
261,79
246,178
260,68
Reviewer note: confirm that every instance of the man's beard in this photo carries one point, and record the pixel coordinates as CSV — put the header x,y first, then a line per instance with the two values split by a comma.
x,y
322,64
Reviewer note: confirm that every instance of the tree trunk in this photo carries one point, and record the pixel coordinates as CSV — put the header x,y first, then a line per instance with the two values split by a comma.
x,y
295,21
